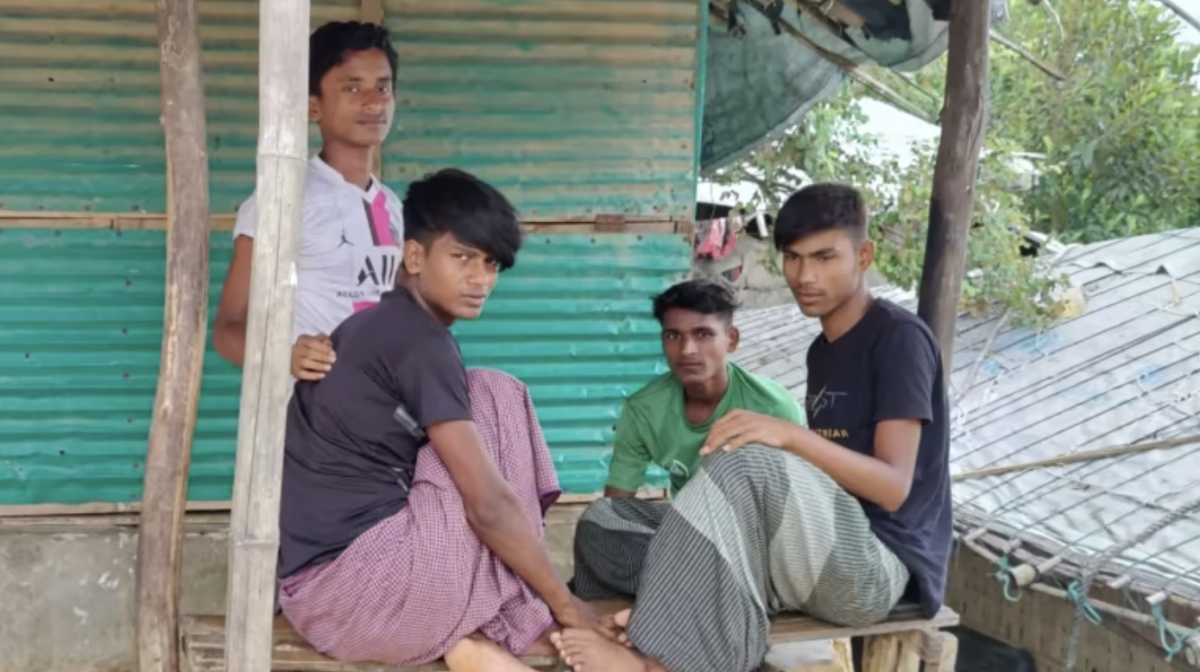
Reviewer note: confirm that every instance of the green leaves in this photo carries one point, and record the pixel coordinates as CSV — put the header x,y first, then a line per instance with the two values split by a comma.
x,y
1119,140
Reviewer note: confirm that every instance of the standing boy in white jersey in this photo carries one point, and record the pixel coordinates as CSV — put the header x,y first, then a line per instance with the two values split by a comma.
x,y
352,225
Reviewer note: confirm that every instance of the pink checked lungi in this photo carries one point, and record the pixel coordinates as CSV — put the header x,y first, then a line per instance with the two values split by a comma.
x,y
417,583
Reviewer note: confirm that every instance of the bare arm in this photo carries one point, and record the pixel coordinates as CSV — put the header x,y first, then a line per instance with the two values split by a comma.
x,y
630,457
495,512
902,398
229,330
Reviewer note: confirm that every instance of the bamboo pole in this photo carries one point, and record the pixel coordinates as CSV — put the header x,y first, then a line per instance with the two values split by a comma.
x,y
954,174
185,321
282,148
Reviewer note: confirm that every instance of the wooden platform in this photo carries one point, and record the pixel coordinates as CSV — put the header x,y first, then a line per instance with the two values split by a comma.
x,y
896,645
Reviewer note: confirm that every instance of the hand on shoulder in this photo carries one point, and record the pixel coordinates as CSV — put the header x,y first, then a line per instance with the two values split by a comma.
x,y
312,357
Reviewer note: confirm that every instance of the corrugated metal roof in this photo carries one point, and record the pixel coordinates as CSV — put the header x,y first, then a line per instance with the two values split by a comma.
x,y
79,88
81,328
1126,371
572,107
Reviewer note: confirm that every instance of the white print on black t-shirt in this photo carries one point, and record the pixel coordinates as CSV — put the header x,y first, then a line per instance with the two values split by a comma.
x,y
823,400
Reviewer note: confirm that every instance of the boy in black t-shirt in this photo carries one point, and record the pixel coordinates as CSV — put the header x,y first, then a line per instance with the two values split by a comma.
x,y
402,550
840,520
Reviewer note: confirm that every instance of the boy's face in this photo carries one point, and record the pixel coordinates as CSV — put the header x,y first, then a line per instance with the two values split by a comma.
x,y
357,103
696,345
453,279
825,269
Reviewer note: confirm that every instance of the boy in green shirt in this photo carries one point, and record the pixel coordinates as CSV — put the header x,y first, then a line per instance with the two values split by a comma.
x,y
666,423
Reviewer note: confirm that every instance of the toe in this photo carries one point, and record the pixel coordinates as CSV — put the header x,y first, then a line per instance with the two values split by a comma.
x,y
621,618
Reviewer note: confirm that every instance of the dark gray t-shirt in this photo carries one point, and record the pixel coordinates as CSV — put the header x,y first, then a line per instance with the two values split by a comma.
x,y
889,367
348,464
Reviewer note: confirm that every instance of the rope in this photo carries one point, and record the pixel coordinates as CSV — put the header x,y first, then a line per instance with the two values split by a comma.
x,y
1079,589
1004,575
1075,592
1171,641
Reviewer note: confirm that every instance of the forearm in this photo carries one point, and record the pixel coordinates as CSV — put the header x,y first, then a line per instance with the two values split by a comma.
x,y
505,530
861,475
617,493
229,340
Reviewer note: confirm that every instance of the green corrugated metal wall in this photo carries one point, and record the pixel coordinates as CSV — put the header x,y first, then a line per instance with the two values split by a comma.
x,y
590,104
81,327
79,102
573,107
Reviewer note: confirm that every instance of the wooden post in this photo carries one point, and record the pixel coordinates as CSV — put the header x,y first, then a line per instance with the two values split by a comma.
x,y
266,384
185,323
954,173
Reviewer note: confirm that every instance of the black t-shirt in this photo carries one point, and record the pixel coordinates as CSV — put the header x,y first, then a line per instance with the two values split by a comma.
x,y
348,464
889,367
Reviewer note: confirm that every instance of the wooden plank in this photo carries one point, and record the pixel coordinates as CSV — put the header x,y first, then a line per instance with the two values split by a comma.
x,y
185,323
225,223
281,167
798,628
805,657
117,508
939,650
204,643
954,173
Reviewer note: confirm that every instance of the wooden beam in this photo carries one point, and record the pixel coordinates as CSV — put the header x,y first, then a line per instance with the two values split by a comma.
x,y
185,321
954,174
118,508
223,223
266,388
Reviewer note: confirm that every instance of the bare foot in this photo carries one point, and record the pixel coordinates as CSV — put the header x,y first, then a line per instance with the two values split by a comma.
x,y
621,621
480,655
589,651
543,646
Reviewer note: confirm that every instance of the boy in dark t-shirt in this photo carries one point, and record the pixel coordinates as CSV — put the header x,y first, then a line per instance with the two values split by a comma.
x,y
840,520
399,549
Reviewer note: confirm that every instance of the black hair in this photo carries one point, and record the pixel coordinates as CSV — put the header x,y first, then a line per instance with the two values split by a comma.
x,y
701,296
329,44
821,207
456,202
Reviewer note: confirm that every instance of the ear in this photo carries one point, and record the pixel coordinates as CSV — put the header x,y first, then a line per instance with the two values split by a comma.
x,y
414,257
735,336
314,108
866,254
